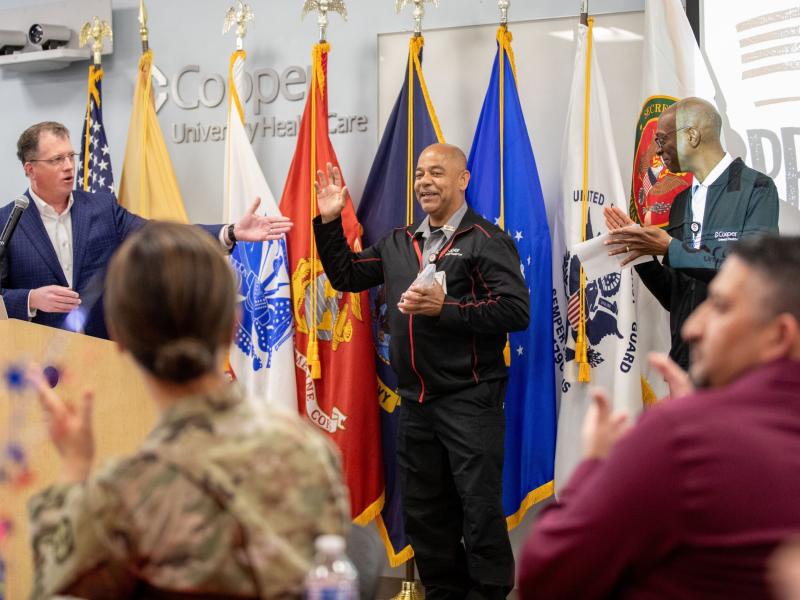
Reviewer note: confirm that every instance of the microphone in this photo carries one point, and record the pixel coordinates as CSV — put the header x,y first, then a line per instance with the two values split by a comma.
x,y
20,204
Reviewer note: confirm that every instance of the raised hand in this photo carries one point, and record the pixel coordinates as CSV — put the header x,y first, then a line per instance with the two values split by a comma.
x,y
69,426
330,194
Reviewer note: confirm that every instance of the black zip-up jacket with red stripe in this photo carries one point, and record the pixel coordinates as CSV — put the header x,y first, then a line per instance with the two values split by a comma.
x,y
487,297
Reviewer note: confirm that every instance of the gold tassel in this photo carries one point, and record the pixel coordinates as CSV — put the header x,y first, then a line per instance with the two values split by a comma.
x,y
507,352
312,353
584,373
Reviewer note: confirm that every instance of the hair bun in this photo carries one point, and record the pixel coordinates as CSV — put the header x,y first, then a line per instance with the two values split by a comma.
x,y
182,359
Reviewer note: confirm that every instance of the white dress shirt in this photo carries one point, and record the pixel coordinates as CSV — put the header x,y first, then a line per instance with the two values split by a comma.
x,y
59,230
699,195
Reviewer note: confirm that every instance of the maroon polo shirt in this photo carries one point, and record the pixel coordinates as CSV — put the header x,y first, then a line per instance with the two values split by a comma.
x,y
689,504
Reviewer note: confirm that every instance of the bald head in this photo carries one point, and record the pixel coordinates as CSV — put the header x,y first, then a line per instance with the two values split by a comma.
x,y
452,154
440,181
700,114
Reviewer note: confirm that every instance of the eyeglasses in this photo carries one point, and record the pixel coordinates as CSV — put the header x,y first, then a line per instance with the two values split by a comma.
x,y
661,140
58,161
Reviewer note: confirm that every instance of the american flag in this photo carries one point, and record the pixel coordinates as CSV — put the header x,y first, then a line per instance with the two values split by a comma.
x,y
95,160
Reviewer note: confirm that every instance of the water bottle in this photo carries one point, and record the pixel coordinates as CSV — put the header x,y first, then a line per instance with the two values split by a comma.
x,y
333,576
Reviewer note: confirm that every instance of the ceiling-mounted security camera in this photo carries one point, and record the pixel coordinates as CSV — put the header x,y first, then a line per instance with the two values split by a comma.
x,y
49,36
11,41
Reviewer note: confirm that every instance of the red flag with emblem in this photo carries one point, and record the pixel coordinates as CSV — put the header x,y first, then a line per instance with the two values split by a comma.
x,y
334,362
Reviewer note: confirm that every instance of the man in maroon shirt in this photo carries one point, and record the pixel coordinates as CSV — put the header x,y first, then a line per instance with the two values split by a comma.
x,y
692,500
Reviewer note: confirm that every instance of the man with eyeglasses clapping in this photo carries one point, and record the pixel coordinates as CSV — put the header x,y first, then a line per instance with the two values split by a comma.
x,y
727,202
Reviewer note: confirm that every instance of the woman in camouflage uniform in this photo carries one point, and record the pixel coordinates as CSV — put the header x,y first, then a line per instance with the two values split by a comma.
x,y
218,501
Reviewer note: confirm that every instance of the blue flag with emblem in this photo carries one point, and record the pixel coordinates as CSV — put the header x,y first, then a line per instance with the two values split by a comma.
x,y
94,166
505,189
388,202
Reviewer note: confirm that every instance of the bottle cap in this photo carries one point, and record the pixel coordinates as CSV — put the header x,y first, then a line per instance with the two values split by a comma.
x,y
330,544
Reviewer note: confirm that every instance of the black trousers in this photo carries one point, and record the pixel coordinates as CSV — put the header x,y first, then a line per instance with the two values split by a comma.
x,y
450,453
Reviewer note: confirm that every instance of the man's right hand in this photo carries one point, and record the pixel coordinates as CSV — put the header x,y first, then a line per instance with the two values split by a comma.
x,y
54,299
330,194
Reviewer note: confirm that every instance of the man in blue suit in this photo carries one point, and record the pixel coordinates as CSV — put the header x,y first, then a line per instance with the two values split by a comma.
x,y
54,266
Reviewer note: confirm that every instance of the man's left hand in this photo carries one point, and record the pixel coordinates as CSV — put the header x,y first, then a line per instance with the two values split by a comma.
x,y
261,228
422,301
638,241
602,428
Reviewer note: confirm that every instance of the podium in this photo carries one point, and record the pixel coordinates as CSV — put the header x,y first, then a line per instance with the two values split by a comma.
x,y
123,415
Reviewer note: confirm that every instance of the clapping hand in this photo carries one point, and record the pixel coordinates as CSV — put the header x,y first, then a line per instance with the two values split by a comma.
x,y
69,426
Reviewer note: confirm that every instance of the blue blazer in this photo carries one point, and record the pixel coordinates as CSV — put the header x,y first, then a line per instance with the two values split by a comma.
x,y
99,226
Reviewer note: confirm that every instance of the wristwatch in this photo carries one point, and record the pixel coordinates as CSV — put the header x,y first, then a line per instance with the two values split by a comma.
x,y
231,234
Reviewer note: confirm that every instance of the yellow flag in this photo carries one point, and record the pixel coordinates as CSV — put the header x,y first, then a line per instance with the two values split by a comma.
x,y
148,187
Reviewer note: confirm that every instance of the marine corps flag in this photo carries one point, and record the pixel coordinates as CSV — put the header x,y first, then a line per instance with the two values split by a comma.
x,y
594,320
148,186
388,202
505,189
262,354
333,346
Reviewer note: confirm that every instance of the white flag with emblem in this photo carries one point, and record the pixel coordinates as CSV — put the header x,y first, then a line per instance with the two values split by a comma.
x,y
605,304
262,353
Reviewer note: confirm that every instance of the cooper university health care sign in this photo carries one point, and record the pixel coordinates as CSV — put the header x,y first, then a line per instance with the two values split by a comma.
x,y
190,89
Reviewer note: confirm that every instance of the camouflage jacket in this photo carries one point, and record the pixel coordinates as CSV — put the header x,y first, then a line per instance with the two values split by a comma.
x,y
216,501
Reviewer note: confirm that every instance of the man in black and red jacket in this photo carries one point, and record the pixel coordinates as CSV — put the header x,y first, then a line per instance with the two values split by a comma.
x,y
447,345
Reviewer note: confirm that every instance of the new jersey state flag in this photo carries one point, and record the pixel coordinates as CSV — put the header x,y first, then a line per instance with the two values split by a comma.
x,y
389,202
262,354
333,345
594,320
504,188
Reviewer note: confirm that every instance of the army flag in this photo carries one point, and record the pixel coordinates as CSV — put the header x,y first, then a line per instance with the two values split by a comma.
x,y
505,189
262,354
148,186
333,346
674,68
594,320
388,202
94,165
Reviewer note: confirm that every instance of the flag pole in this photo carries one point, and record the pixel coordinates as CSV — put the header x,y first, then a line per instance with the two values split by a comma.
x,y
94,30
585,12
410,590
144,33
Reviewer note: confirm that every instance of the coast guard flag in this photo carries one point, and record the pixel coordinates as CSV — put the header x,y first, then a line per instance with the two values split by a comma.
x,y
674,68
262,354
388,202
505,189
333,357
605,305
95,160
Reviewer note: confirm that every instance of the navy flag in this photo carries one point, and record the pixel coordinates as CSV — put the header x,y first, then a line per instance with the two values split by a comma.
x,y
388,202
94,167
505,189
